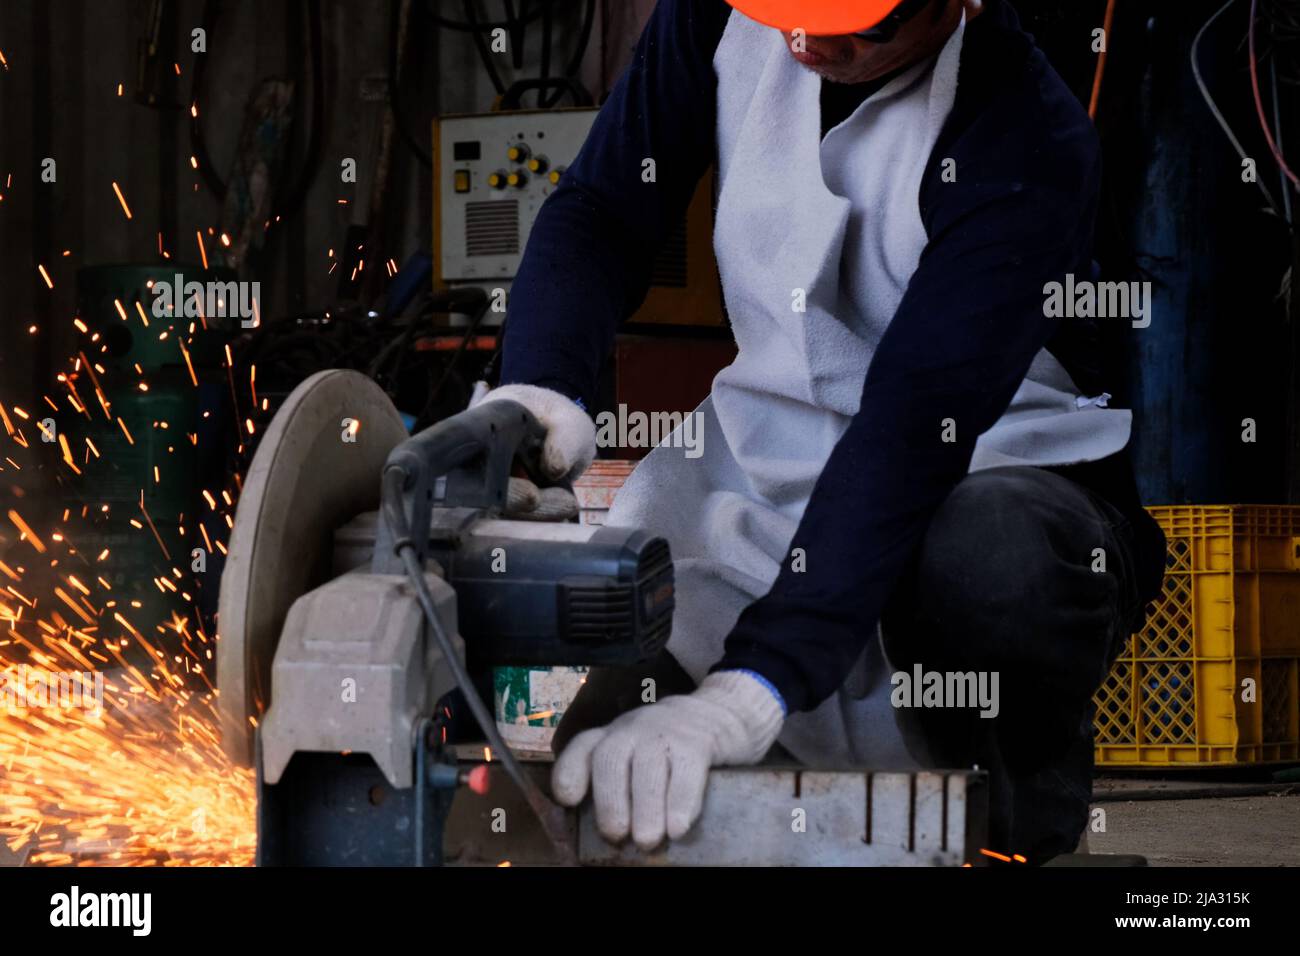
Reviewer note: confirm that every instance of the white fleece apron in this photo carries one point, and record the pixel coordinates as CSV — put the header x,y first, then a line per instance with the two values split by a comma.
x,y
834,225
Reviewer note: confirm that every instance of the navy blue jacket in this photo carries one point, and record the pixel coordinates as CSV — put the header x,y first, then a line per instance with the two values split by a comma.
x,y
1019,216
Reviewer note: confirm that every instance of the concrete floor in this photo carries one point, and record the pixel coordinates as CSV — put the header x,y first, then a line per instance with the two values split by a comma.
x,y
1211,827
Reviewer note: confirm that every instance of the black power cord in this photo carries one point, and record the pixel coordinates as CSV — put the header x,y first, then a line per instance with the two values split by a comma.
x,y
198,143
548,814
467,27
515,25
575,61
476,319
394,88
297,193
484,51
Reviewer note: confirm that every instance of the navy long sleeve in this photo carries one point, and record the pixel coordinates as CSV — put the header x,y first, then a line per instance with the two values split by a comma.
x,y
1019,216
591,253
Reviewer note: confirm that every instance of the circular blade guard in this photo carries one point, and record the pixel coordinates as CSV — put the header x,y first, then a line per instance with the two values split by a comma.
x,y
305,481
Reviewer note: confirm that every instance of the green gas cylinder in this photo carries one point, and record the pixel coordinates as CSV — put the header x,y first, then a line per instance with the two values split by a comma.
x,y
142,493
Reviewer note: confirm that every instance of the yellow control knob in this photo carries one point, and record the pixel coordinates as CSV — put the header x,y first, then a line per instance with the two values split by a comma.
x,y
538,165
518,153
555,176
497,180
517,180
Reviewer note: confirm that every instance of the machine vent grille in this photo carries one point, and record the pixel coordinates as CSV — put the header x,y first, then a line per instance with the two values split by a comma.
x,y
670,269
653,559
613,613
492,228
600,614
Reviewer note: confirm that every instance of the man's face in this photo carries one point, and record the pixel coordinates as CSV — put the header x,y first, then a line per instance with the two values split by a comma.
x,y
851,59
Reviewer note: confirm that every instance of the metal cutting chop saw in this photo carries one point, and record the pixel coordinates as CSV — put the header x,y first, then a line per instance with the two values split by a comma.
x,y
371,585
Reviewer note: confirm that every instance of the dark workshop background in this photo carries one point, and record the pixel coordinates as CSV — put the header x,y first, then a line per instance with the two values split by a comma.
x,y
1222,346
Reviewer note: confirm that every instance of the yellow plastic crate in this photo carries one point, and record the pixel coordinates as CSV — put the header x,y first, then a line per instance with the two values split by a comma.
x,y
1230,611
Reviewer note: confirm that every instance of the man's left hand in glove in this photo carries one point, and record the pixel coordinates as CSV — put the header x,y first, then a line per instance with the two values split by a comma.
x,y
648,769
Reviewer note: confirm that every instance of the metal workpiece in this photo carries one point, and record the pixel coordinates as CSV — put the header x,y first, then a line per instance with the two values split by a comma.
x,y
757,816
781,817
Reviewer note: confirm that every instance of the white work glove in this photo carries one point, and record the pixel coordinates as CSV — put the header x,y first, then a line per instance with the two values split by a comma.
x,y
648,769
570,433
526,502
568,451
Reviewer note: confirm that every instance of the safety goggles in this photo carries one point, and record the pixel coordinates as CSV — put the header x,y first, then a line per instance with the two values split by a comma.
x,y
887,29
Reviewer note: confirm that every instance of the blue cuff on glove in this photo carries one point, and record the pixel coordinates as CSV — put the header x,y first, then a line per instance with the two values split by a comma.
x,y
785,711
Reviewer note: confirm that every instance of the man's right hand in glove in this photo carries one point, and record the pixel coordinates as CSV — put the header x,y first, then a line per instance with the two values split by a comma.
x,y
568,451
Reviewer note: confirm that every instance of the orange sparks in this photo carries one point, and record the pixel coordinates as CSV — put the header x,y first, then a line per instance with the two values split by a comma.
x,y
26,531
143,510
77,609
67,454
188,364
997,856
140,777
203,252
122,199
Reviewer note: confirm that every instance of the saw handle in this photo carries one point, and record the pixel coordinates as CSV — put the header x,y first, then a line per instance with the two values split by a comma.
x,y
461,462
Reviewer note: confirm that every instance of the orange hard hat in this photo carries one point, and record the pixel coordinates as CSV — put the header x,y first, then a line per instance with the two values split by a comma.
x,y
817,17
